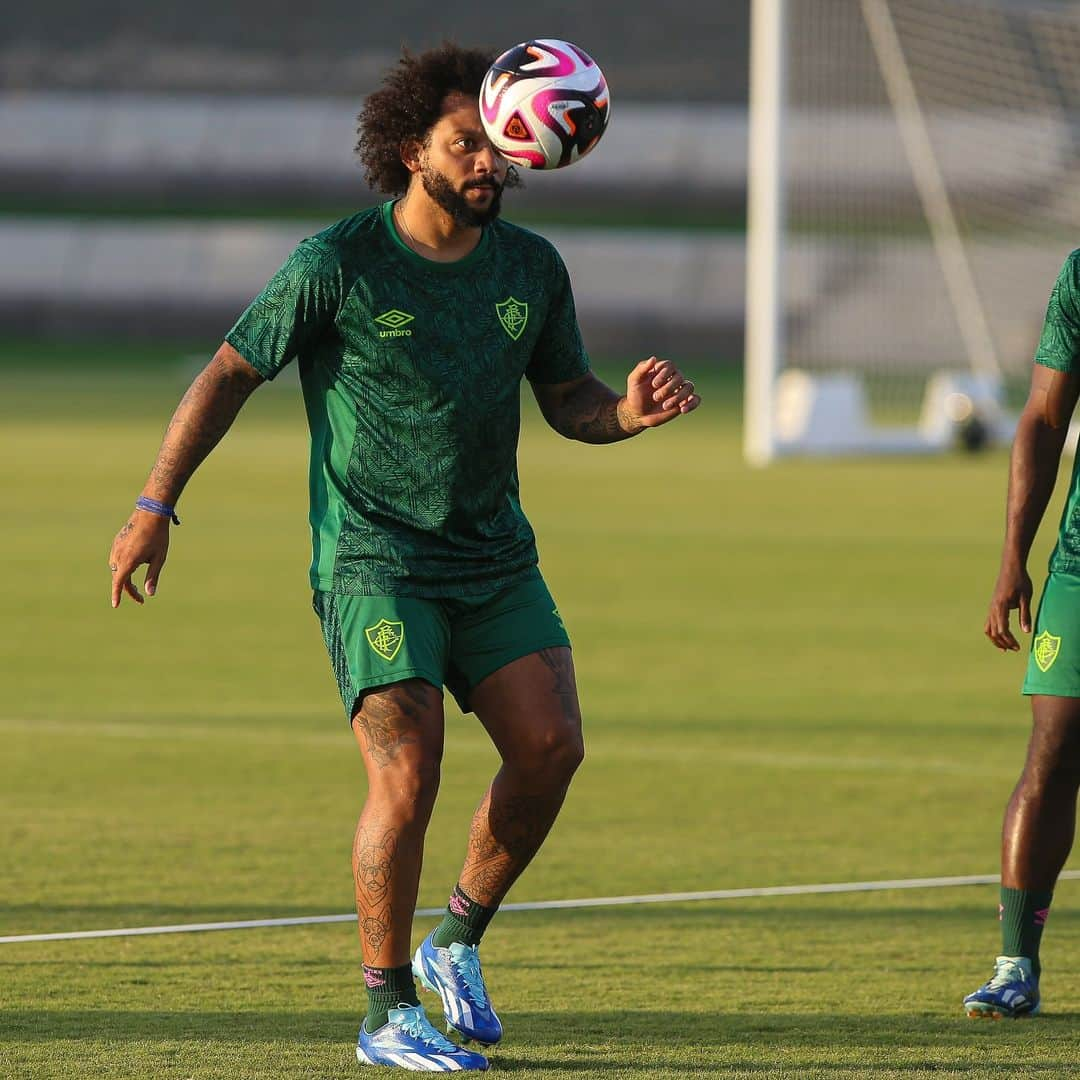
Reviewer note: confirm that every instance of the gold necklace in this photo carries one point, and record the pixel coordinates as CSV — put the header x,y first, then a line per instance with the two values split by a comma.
x,y
408,232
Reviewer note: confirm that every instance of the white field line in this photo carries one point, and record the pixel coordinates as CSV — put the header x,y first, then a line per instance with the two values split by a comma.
x,y
549,905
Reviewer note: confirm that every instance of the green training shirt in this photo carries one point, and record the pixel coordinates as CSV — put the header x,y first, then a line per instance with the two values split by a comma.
x,y
1059,348
411,372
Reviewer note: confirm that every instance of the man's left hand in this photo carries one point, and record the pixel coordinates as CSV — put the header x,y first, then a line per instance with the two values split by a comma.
x,y
656,393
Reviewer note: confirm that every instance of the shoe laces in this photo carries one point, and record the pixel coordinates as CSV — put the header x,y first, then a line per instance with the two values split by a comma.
x,y
414,1023
466,961
1006,971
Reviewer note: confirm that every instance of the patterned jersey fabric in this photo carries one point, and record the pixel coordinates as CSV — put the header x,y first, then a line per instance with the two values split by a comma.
x,y
1059,348
411,372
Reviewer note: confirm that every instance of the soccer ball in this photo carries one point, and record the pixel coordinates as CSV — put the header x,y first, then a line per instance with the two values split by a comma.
x,y
544,104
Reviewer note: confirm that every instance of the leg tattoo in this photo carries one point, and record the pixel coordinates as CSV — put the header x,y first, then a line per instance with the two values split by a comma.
x,y
562,668
506,833
390,722
373,860
399,729
534,719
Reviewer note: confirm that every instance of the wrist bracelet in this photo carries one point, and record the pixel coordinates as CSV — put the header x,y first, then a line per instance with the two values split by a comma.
x,y
154,507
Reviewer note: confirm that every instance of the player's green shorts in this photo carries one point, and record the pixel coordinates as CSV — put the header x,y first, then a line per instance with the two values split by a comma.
x,y
377,640
1054,661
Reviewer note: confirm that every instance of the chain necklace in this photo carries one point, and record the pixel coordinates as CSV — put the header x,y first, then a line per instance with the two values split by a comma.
x,y
400,206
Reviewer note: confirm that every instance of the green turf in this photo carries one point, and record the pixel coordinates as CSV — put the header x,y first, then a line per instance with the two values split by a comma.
x,y
783,679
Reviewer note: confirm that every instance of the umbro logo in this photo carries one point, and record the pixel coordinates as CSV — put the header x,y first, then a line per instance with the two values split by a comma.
x,y
395,322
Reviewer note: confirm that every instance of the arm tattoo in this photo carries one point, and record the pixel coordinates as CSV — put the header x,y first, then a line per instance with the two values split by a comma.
x,y
593,413
203,416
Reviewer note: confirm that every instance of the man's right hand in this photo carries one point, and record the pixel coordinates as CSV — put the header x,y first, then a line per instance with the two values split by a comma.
x,y
144,539
1013,590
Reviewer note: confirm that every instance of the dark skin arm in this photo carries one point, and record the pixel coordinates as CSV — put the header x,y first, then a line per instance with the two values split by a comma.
x,y
205,413
589,411
1033,467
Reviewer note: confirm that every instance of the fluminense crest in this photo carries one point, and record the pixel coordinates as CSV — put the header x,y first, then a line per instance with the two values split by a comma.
x,y
1046,648
513,314
385,638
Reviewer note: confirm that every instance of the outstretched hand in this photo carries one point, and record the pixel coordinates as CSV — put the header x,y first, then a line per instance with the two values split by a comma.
x,y
1013,590
144,539
657,392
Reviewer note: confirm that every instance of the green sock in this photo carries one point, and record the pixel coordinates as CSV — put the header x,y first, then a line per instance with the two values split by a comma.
x,y
386,989
1023,915
465,921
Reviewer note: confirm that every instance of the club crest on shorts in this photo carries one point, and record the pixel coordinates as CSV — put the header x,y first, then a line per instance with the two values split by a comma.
x,y
513,314
385,638
1046,648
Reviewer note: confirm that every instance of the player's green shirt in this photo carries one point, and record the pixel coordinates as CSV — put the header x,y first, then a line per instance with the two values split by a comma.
x,y
411,372
1059,348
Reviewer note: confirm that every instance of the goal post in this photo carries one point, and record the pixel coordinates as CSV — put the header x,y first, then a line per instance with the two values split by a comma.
x,y
765,222
911,196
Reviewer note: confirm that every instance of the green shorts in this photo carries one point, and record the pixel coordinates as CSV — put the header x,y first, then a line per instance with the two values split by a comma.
x,y
1054,661
377,640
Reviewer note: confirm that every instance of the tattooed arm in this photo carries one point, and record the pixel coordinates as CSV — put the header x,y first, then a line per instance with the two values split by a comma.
x,y
205,413
589,411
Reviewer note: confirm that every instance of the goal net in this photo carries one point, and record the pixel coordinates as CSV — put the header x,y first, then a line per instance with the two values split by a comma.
x,y
913,193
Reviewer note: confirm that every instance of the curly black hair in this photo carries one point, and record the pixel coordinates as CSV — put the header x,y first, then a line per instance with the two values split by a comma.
x,y
409,103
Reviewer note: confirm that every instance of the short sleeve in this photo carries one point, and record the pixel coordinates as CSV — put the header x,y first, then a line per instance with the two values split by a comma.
x,y
298,303
1059,345
559,354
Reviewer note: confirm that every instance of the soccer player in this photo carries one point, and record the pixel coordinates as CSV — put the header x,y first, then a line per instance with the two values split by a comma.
x,y
413,325
1041,816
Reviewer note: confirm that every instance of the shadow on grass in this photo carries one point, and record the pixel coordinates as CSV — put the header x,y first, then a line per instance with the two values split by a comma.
x,y
177,913
64,918
607,1031
796,909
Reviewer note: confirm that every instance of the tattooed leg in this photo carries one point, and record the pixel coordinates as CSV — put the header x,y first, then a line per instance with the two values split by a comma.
x,y
400,732
530,709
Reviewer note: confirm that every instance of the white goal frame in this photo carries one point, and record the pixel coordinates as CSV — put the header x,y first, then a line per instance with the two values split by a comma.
x,y
792,412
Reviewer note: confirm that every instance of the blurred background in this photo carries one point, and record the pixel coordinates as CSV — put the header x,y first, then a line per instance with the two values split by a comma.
x,y
159,161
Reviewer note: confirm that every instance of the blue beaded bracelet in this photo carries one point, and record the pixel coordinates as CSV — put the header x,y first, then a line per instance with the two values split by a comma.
x,y
155,507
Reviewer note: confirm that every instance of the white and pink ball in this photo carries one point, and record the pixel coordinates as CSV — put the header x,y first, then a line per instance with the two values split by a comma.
x,y
545,103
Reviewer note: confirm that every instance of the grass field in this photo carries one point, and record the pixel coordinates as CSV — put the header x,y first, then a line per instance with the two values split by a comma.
x,y
783,679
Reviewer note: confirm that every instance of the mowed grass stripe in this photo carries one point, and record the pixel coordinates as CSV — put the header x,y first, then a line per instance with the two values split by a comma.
x,y
79,729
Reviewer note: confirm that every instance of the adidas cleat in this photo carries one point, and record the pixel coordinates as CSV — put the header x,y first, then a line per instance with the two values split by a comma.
x,y
408,1041
454,974
1011,992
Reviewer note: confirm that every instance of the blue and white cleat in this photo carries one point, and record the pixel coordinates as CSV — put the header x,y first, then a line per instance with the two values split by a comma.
x,y
454,974
408,1041
1011,992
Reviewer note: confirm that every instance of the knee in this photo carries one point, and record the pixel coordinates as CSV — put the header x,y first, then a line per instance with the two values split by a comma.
x,y
1059,770
418,783
407,787
553,757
